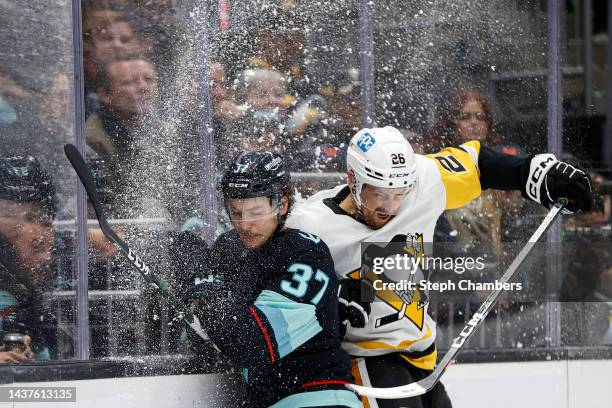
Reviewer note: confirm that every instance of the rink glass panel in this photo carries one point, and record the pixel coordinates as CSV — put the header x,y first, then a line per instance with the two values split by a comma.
x,y
37,119
420,54
141,94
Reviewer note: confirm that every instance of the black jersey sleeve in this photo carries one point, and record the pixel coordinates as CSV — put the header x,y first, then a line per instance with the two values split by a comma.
x,y
502,171
286,313
468,169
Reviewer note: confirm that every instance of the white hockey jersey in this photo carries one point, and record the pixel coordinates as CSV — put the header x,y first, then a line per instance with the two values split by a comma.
x,y
445,180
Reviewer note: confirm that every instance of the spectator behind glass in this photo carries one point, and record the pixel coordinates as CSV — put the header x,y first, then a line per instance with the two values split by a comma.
x,y
168,37
272,122
325,123
128,94
27,206
466,116
224,108
107,35
279,45
262,97
42,124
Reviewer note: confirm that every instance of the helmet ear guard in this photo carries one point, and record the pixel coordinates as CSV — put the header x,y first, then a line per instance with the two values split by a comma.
x,y
355,186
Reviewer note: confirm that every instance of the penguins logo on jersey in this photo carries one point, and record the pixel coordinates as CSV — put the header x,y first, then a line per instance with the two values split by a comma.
x,y
406,305
416,248
414,245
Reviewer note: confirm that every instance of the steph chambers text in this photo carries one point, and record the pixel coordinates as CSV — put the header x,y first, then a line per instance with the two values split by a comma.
x,y
462,285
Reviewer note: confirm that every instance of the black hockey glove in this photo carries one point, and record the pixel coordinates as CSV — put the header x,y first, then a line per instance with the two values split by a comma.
x,y
550,180
206,295
354,298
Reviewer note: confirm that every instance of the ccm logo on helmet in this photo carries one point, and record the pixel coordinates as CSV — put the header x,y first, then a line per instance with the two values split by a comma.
x,y
365,142
399,175
238,185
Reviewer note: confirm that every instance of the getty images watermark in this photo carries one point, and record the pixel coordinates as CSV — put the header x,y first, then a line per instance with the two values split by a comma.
x,y
387,269
554,271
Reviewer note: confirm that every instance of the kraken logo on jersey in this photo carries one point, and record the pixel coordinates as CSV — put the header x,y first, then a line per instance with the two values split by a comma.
x,y
406,303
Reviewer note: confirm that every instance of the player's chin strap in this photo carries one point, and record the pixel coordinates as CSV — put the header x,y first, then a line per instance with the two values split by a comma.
x,y
358,206
427,383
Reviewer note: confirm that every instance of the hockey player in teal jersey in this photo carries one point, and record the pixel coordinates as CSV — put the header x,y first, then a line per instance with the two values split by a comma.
x,y
268,295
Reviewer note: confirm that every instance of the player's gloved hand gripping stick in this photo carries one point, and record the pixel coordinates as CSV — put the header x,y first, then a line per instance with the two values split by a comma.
x,y
426,384
137,263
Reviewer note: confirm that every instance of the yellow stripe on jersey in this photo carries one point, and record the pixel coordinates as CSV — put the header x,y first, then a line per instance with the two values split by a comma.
x,y
402,346
459,172
427,362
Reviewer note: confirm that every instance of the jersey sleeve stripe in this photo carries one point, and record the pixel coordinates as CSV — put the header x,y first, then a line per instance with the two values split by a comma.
x,y
293,323
265,333
327,382
472,152
459,172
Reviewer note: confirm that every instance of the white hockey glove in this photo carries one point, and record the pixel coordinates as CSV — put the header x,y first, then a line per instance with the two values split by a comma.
x,y
550,179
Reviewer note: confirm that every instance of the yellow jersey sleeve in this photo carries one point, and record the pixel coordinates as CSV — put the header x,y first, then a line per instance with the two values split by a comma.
x,y
459,172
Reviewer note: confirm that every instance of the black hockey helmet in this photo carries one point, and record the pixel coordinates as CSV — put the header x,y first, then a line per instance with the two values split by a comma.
x,y
23,179
255,174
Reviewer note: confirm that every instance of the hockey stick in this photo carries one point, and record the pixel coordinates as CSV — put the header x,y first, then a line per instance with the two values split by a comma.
x,y
427,383
135,261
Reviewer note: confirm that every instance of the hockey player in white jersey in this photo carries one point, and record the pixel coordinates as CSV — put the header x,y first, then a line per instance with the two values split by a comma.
x,y
394,194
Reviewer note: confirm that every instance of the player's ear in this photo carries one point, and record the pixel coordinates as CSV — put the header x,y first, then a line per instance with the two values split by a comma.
x,y
284,206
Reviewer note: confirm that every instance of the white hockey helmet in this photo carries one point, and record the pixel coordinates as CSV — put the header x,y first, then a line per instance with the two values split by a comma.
x,y
380,157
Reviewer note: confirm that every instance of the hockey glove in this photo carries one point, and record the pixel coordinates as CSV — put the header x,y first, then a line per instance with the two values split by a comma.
x,y
354,298
550,179
205,295
207,290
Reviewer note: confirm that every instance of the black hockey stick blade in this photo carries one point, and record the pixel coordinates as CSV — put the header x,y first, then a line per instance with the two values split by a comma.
x,y
136,262
427,383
